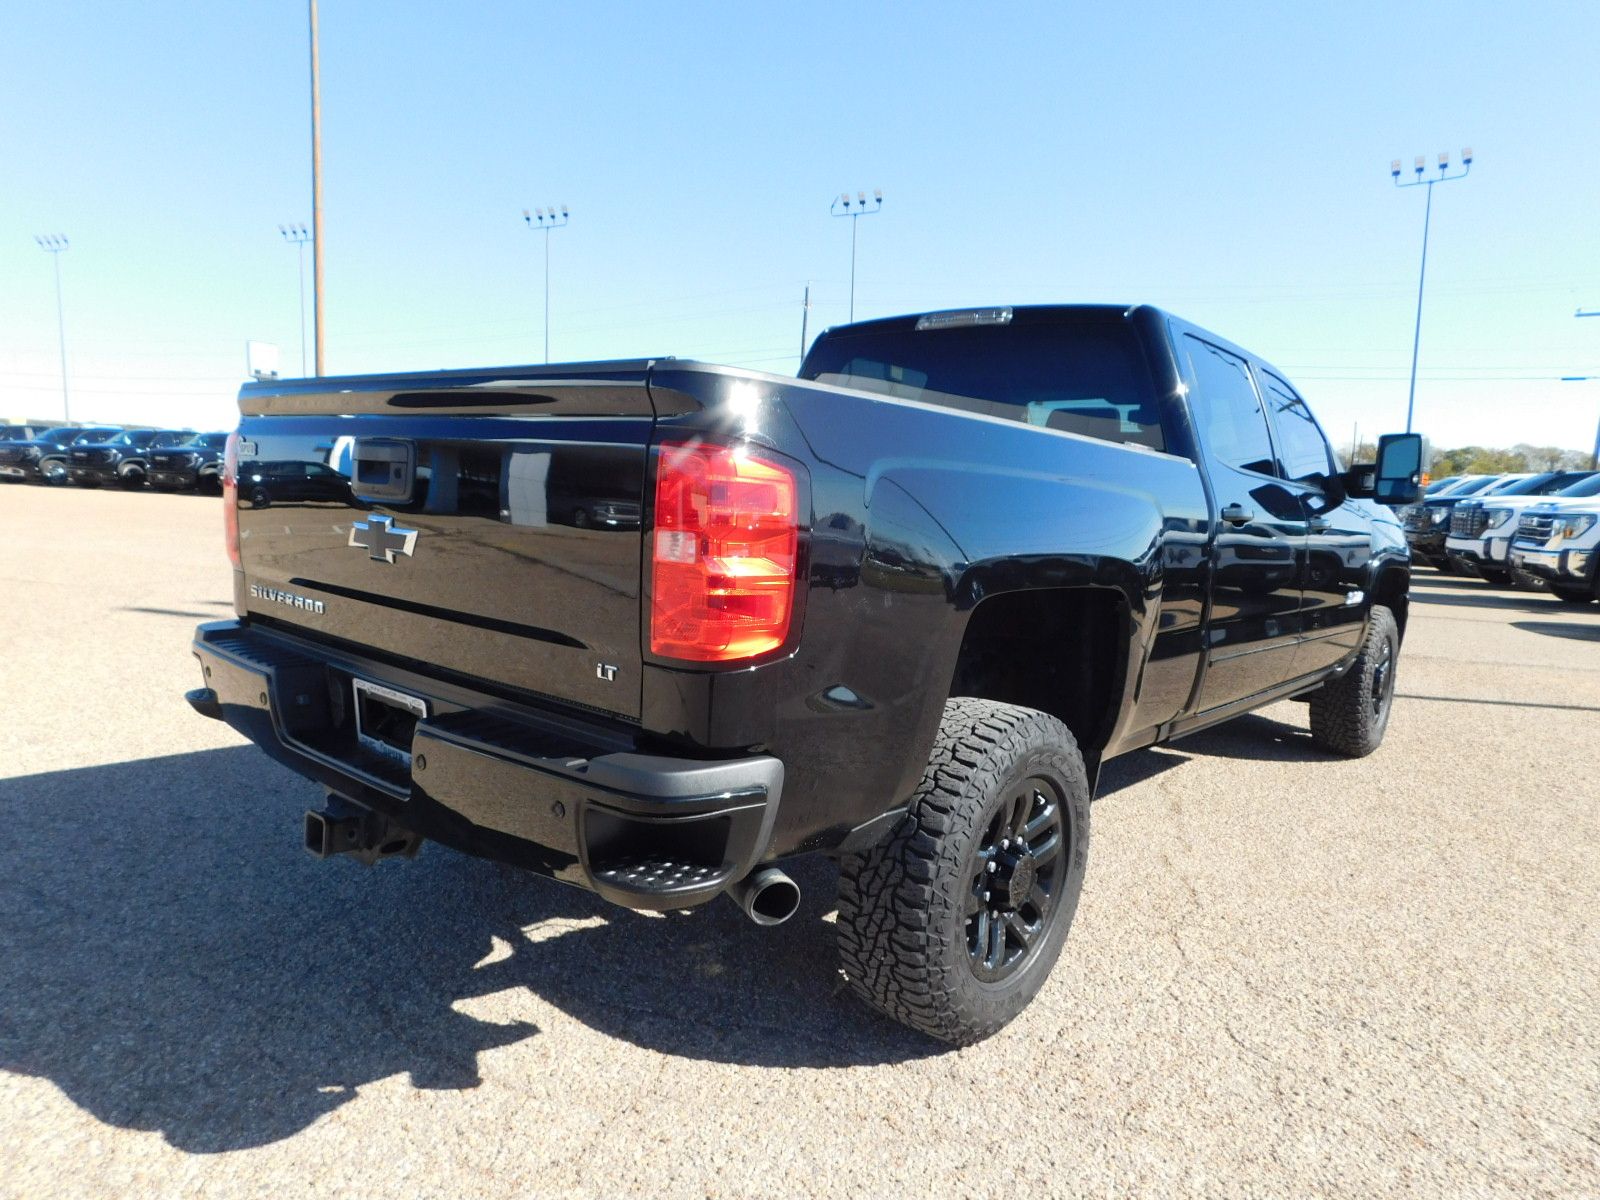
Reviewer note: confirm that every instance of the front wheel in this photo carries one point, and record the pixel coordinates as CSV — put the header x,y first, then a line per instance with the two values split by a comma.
x,y
1350,714
952,923
53,471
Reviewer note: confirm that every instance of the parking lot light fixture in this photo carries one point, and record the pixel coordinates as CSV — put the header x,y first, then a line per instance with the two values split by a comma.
x,y
56,244
546,221
299,235
844,207
1421,166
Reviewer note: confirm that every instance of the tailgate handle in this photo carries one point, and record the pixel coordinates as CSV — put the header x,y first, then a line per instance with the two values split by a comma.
x,y
383,469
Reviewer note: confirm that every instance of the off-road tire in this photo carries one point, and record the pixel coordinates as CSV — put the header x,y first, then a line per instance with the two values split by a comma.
x,y
903,920
1573,595
1349,714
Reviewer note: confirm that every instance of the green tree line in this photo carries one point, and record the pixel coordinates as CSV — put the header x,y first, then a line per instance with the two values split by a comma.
x,y
1490,460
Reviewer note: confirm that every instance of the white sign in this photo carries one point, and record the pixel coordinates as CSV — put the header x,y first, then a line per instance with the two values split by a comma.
x,y
261,360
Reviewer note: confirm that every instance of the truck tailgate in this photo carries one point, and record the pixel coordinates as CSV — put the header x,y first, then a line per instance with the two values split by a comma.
x,y
485,526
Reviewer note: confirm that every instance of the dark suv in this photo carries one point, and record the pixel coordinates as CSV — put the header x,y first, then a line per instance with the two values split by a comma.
x,y
189,465
123,459
290,482
45,457
20,433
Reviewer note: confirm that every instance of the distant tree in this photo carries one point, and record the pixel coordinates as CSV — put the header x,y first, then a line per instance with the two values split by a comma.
x,y
1477,460
1542,458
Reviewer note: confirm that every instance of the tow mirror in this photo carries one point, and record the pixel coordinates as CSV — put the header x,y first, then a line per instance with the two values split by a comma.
x,y
1397,476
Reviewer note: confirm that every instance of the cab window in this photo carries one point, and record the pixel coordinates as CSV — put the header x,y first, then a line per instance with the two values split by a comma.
x,y
1227,409
1302,450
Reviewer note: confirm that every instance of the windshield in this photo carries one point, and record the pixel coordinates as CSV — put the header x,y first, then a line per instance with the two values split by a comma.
x,y
1081,374
1471,487
13,435
1589,485
213,441
1440,485
94,437
1537,485
63,433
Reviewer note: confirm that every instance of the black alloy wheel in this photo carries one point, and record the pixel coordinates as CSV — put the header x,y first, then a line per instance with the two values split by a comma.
x,y
1015,876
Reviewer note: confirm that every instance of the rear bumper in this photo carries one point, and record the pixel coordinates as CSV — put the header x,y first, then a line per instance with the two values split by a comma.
x,y
551,792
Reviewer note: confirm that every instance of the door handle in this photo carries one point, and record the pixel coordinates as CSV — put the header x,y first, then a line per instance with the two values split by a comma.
x,y
1237,514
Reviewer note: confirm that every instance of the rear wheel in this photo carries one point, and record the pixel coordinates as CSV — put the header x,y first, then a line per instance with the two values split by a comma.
x,y
1349,715
952,923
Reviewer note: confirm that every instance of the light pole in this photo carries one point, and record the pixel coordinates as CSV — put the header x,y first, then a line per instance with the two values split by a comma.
x,y
843,207
1594,454
299,235
1427,217
316,189
546,221
54,244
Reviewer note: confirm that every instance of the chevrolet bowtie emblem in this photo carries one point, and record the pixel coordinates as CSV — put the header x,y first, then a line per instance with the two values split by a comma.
x,y
382,538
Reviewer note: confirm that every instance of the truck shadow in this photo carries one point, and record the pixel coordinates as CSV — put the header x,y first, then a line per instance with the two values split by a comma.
x,y
1562,629
172,961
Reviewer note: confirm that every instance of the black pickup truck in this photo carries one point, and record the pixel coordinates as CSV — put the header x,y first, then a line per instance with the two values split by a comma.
x,y
123,460
192,464
897,611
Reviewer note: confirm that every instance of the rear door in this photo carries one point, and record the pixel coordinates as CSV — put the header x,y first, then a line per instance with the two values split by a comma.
x,y
1261,534
1338,536
447,521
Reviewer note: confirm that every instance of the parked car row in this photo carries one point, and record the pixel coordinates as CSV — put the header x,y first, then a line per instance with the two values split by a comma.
x,y
1508,529
164,459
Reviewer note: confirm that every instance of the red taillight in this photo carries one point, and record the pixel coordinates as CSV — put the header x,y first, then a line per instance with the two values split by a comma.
x,y
724,553
230,498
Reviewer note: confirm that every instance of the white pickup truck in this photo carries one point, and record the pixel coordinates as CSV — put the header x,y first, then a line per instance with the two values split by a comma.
x,y
1481,530
1558,540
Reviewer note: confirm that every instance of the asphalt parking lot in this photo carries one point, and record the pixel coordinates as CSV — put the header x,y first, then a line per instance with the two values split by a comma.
x,y
1290,975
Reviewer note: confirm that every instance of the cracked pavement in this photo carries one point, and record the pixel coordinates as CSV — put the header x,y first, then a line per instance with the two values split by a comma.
x,y
1289,975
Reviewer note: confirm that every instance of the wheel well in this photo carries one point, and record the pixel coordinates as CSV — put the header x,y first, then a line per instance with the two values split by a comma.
x,y
1394,593
1058,650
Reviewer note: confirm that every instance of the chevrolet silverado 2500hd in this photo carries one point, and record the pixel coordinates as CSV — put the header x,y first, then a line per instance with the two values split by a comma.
x,y
897,611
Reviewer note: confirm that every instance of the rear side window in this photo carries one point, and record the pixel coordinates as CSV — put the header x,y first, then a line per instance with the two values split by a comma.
x,y
1085,376
1302,450
1227,409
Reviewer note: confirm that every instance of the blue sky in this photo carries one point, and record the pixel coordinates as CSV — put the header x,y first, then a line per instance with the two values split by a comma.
x,y
1229,161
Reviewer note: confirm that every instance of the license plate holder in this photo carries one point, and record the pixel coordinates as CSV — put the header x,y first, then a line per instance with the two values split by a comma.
x,y
386,719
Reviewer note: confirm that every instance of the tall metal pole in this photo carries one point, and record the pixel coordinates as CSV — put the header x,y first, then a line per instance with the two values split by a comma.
x,y
843,206
1416,333
544,222
805,319
1422,274
853,223
1594,454
54,244
316,190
